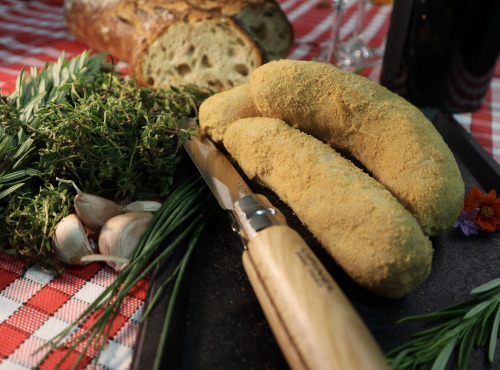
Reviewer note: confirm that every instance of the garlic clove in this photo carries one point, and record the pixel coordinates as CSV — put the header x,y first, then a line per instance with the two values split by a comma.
x,y
70,242
94,210
143,206
121,235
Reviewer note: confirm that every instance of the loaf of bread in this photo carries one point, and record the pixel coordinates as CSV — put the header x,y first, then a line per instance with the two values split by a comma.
x,y
209,43
366,230
392,138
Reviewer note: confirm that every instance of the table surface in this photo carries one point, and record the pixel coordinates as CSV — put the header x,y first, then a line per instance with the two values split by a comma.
x,y
36,304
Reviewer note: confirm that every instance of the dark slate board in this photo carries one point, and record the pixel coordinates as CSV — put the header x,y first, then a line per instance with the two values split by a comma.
x,y
219,323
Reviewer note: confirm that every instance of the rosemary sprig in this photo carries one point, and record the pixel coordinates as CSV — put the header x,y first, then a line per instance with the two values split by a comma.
x,y
16,149
465,325
53,82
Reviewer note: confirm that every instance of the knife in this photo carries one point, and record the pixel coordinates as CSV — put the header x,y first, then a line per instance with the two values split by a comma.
x,y
313,322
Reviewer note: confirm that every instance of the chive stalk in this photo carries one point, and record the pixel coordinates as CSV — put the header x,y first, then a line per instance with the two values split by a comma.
x,y
173,300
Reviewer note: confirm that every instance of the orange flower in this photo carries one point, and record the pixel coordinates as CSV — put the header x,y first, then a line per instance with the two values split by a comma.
x,y
488,217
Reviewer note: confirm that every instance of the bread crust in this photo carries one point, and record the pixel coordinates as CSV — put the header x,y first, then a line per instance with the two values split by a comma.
x,y
94,23
366,230
229,7
388,135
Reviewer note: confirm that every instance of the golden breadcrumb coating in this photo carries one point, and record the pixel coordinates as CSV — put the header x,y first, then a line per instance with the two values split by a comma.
x,y
388,135
366,230
220,110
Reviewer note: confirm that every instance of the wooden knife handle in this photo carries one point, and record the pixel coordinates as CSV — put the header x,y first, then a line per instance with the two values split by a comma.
x,y
305,307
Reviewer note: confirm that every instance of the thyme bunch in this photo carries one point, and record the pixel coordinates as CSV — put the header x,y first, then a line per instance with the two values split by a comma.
x,y
32,217
465,325
107,144
115,138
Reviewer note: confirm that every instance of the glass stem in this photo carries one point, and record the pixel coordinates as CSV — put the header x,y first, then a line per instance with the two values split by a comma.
x,y
360,19
338,12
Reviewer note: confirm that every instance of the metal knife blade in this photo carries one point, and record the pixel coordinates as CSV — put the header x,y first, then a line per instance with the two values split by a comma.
x,y
313,322
220,175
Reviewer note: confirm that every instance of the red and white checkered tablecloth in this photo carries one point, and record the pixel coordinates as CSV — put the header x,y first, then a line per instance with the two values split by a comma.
x,y
35,304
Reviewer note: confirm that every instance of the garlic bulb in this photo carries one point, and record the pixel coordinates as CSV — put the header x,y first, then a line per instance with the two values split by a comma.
x,y
70,242
94,210
143,206
121,234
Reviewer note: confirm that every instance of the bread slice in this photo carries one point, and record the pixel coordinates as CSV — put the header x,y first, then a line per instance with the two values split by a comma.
x,y
212,52
270,27
264,19
215,43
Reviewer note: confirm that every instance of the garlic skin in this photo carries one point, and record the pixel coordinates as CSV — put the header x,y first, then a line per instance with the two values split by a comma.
x,y
143,206
121,234
94,210
70,242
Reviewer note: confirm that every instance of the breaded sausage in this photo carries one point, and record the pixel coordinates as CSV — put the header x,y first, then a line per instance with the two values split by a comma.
x,y
222,109
388,135
363,227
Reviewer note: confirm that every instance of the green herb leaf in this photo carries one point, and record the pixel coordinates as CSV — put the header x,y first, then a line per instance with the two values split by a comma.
x,y
486,287
444,355
494,335
477,309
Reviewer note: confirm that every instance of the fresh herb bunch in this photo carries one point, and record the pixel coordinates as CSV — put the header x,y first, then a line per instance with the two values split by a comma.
x,y
115,138
32,217
468,324
80,121
77,121
20,190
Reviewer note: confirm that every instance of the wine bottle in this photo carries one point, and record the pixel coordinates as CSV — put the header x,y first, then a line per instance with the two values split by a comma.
x,y
442,53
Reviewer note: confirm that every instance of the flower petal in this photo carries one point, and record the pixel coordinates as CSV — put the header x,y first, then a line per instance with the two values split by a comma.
x,y
473,198
485,224
471,215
